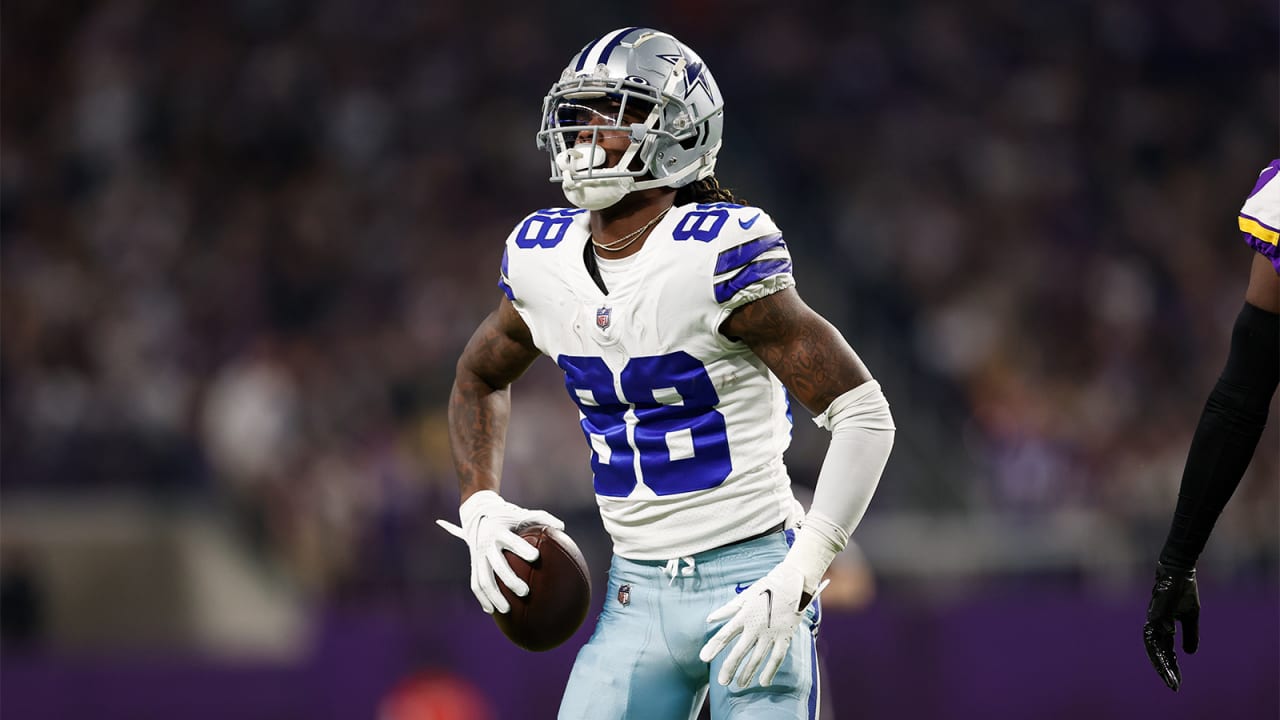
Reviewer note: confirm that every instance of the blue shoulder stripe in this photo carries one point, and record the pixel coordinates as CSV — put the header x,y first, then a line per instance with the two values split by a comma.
x,y
752,273
736,257
502,279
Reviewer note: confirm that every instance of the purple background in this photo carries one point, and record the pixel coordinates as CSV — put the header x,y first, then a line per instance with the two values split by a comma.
x,y
1010,654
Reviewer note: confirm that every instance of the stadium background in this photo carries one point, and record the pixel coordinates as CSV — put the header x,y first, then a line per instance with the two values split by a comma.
x,y
243,243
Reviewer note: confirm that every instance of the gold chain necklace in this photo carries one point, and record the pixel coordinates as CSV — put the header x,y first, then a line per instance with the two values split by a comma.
x,y
625,241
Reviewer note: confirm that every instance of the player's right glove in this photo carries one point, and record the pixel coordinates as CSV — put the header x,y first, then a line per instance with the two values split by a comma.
x,y
1174,597
488,523
763,618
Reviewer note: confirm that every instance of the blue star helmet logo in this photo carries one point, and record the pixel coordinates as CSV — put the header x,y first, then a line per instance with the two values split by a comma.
x,y
694,78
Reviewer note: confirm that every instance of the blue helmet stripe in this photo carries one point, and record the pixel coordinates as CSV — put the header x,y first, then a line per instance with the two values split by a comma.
x,y
615,39
615,42
582,57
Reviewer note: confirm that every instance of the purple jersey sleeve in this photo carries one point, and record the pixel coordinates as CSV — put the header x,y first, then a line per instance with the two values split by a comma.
x,y
1259,219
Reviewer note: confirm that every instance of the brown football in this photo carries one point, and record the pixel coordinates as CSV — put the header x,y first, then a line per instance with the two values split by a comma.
x,y
559,591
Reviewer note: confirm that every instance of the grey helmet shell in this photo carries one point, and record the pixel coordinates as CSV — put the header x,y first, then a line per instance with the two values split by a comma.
x,y
678,142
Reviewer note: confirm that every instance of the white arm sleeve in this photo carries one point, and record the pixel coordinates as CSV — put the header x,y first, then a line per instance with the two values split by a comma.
x,y
862,433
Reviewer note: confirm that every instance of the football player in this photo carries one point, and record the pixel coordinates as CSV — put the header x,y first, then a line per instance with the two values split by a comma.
x,y
671,308
1226,436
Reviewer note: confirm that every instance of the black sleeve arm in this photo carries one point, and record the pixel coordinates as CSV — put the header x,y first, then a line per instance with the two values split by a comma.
x,y
1227,435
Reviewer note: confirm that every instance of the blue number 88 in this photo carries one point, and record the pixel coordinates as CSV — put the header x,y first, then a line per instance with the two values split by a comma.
x,y
680,436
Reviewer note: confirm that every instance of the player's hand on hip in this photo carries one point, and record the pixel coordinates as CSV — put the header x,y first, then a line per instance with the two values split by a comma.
x,y
1174,598
488,527
764,619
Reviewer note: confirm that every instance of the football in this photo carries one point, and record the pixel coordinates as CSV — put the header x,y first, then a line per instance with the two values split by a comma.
x,y
559,591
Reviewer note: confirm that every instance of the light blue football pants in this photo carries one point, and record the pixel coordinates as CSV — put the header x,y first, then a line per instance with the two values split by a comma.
x,y
641,662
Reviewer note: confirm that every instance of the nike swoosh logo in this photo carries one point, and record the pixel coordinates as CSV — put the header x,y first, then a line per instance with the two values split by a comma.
x,y
768,608
740,587
746,224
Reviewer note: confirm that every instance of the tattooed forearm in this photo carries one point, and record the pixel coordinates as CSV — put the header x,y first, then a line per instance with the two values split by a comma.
x,y
478,434
805,351
480,403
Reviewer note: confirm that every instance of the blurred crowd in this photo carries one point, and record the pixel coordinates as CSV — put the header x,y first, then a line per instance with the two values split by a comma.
x,y
244,242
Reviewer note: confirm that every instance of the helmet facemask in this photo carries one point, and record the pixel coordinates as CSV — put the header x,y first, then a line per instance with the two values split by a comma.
x,y
595,134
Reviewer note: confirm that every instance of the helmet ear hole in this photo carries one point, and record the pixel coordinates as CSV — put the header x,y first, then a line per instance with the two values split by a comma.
x,y
692,141
636,164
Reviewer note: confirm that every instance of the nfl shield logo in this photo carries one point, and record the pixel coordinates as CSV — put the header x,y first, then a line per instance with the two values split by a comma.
x,y
602,317
624,595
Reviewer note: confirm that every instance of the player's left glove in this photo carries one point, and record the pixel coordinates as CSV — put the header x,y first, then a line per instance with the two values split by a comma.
x,y
1174,597
764,619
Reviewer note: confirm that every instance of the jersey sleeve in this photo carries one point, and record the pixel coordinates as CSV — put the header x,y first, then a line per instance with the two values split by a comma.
x,y
1259,219
504,272
752,261
504,279
532,270
541,230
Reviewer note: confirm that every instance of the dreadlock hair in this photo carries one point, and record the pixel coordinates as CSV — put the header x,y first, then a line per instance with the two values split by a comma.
x,y
706,190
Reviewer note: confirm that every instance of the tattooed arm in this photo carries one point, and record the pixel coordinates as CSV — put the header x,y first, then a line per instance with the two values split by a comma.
x,y
479,407
499,351
805,351
820,369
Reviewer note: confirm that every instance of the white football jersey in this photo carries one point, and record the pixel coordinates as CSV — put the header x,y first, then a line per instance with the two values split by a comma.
x,y
686,428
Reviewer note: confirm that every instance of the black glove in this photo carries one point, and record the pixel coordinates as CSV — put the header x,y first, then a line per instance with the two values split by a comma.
x,y
1175,597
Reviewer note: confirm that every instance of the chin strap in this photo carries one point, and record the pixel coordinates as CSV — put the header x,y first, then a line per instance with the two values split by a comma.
x,y
598,193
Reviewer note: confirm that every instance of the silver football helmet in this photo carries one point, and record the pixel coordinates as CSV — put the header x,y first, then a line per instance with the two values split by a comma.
x,y
642,84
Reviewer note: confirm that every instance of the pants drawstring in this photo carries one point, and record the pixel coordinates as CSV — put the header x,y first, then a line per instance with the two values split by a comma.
x,y
673,569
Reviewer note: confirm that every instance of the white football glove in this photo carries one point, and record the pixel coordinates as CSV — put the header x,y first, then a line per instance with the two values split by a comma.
x,y
487,527
765,615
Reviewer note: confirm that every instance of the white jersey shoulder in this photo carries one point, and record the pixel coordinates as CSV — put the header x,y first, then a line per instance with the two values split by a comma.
x,y
686,428
1259,218
751,259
